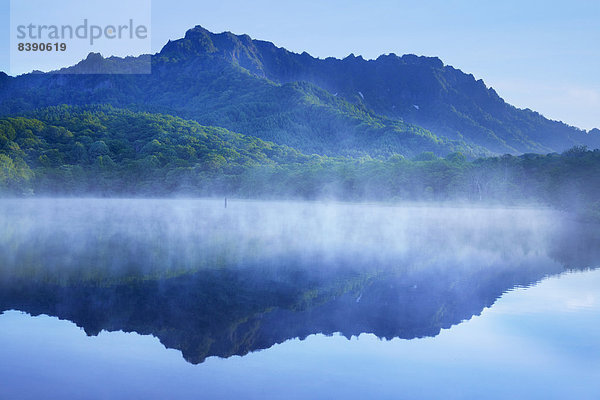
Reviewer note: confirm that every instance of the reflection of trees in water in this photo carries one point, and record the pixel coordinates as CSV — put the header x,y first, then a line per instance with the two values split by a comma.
x,y
224,283
227,311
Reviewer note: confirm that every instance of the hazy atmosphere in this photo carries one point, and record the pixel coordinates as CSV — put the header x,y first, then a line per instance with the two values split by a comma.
x,y
536,54
312,200
209,281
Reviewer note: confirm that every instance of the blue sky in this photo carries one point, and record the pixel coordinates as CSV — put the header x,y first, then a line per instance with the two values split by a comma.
x,y
542,55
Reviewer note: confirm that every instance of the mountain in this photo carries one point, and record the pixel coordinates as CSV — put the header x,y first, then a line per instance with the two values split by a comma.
x,y
216,92
351,107
419,90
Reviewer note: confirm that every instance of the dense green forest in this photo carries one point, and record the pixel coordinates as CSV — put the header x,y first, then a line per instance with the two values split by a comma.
x,y
103,151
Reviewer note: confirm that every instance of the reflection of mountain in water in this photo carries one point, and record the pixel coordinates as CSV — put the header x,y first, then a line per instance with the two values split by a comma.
x,y
225,299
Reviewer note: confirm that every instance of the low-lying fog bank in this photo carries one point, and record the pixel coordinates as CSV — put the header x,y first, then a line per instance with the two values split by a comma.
x,y
130,236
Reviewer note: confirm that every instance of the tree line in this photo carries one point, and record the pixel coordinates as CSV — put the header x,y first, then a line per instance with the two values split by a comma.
x,y
103,151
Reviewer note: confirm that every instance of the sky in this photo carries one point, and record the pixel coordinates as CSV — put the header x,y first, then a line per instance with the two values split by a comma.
x,y
542,55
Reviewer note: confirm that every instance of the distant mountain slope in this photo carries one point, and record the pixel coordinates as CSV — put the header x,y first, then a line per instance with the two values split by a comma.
x,y
216,92
350,107
419,90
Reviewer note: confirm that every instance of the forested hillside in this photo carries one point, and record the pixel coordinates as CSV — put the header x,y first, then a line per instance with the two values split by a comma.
x,y
351,107
419,90
215,92
105,151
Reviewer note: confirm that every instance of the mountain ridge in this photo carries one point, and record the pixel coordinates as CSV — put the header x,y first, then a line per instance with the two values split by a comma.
x,y
352,106
217,93
422,101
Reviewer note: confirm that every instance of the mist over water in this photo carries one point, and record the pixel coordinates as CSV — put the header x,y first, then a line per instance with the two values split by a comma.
x,y
211,280
75,238
214,282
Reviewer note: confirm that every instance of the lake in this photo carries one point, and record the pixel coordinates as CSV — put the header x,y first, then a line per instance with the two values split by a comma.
x,y
121,299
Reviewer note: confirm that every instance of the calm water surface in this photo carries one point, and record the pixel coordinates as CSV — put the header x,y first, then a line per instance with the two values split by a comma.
x,y
104,299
